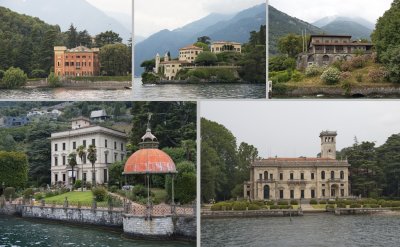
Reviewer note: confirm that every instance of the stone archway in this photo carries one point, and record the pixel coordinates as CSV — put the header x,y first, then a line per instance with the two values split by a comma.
x,y
334,190
266,192
325,60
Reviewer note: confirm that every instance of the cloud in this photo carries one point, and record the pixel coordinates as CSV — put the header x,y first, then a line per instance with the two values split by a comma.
x,y
313,10
121,6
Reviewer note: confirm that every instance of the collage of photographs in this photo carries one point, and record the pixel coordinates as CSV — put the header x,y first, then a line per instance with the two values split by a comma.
x,y
199,123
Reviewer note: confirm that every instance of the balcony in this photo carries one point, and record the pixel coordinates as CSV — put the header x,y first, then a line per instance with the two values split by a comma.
x,y
335,180
265,181
297,182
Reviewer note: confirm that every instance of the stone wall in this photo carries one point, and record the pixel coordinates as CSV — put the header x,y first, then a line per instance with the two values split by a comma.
x,y
75,215
160,227
10,209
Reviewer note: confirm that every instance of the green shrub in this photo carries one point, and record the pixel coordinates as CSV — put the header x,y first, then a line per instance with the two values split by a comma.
x,y
341,205
39,196
313,202
280,77
78,184
371,206
396,204
355,205
113,188
358,62
53,80
322,202
254,207
38,73
258,203
359,77
313,70
283,203
269,203
345,75
14,78
346,66
28,193
294,202
239,206
1,74
285,207
331,76
9,192
99,193
221,206
331,202
391,60
330,206
87,185
297,76
272,207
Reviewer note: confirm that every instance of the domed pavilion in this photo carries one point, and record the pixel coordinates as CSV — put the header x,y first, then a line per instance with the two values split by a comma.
x,y
149,160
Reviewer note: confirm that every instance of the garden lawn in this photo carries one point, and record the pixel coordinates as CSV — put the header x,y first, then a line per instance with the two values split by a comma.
x,y
319,206
160,194
85,198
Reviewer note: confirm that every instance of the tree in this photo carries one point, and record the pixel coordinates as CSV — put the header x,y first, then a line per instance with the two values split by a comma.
x,y
92,157
206,58
386,33
115,173
81,151
53,80
107,38
202,45
84,38
13,169
204,39
290,45
148,65
115,59
72,163
14,78
185,183
391,58
72,37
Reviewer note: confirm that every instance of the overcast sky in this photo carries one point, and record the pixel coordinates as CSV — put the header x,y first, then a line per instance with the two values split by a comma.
x,y
152,16
313,10
113,5
292,128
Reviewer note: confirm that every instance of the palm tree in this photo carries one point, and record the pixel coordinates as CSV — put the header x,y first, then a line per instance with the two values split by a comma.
x,y
81,153
72,163
92,157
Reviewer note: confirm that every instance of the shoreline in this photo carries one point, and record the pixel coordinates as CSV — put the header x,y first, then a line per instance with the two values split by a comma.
x,y
82,85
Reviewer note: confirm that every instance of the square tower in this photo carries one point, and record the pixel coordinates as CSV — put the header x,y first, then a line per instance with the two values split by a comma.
x,y
328,144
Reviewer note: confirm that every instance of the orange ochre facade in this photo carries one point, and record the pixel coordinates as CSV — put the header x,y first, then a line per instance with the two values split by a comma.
x,y
79,61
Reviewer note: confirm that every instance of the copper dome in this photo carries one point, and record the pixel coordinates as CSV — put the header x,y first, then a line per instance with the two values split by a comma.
x,y
149,160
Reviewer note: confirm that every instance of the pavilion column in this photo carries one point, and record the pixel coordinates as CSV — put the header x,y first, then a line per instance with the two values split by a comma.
x,y
173,195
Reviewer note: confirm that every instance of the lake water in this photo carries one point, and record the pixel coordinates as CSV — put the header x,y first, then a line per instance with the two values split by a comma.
x,y
20,232
65,94
310,230
198,91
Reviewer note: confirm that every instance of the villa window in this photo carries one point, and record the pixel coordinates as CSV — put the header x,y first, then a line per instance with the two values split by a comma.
x,y
58,63
56,147
74,145
66,63
265,175
280,176
56,161
63,146
291,194
323,175
302,176
56,177
105,143
72,63
341,174
312,176
115,157
260,176
302,194
84,159
291,176
106,158
342,192
122,147
78,56
84,143
63,161
122,157
94,142
94,176
312,193
84,177
281,194
332,174
105,176
115,145
323,192
63,177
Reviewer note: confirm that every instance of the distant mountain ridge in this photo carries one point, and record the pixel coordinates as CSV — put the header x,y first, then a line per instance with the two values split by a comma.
x,y
235,27
357,27
82,14
281,24
329,19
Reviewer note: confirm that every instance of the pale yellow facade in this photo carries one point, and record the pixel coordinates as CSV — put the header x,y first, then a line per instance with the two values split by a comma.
x,y
171,68
300,178
189,53
225,46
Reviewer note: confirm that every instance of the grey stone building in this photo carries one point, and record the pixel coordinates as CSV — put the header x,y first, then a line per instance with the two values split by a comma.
x,y
326,49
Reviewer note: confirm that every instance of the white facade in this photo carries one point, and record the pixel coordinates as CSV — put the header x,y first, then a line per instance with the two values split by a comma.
x,y
110,145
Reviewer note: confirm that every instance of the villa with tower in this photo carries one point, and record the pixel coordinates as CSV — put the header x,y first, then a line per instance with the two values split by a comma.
x,y
78,61
324,177
169,68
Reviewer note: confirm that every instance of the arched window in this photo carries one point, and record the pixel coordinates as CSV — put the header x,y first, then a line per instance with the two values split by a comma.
x,y
332,174
323,175
265,175
341,174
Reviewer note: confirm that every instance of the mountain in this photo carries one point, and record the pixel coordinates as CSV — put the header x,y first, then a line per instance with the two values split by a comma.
x,y
281,24
329,19
356,30
357,27
59,12
235,27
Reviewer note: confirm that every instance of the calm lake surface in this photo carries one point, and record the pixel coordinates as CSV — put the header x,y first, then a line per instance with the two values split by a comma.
x,y
310,230
198,91
65,94
20,232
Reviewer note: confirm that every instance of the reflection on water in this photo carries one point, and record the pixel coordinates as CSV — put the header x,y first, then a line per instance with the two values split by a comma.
x,y
198,91
20,232
310,230
65,94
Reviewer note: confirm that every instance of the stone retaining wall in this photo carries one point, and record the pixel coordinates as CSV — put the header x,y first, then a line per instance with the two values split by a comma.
x,y
75,215
252,213
386,91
